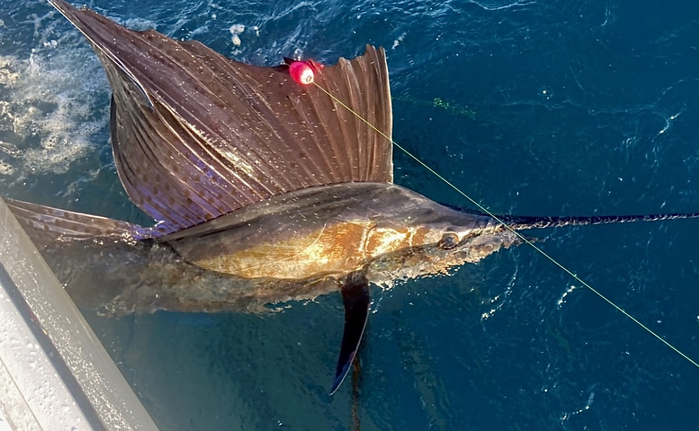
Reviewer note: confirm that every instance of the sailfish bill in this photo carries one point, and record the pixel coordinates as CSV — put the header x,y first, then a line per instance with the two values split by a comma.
x,y
263,190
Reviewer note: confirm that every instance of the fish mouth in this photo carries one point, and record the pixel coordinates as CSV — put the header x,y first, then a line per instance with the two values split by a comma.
x,y
476,247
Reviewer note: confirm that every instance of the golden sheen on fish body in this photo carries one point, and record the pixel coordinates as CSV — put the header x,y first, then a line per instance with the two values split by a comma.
x,y
263,190
336,248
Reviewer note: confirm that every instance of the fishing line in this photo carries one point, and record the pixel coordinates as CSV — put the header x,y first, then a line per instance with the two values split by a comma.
x,y
519,235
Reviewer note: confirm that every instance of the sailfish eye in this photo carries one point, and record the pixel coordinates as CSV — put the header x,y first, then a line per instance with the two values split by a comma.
x,y
449,240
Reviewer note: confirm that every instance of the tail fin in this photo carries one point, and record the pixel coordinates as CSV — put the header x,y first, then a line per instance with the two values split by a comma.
x,y
526,222
44,224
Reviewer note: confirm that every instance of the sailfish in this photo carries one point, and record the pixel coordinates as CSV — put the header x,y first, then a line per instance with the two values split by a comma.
x,y
263,190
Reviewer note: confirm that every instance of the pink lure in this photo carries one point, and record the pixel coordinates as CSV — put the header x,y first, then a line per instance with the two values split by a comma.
x,y
301,72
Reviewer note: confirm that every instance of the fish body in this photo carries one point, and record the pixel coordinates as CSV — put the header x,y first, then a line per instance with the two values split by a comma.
x,y
251,175
331,230
294,246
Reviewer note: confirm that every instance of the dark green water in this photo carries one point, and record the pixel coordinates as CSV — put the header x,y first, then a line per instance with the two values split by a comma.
x,y
555,107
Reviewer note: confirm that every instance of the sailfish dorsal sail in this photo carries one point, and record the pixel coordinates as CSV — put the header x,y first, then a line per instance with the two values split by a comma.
x,y
196,135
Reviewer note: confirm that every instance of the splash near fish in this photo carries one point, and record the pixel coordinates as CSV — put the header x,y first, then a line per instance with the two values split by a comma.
x,y
267,184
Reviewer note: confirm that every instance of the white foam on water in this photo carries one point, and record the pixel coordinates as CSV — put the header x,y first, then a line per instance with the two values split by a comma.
x,y
237,29
138,24
493,5
52,104
6,168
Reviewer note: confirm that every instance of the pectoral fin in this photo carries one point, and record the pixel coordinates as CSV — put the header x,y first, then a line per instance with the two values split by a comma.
x,y
355,296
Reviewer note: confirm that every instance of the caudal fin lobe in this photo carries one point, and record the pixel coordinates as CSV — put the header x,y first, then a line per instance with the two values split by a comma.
x,y
44,224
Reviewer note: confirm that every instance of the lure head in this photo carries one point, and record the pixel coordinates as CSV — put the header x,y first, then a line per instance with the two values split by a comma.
x,y
301,72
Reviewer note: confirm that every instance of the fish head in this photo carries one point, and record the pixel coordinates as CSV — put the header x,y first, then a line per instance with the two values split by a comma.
x,y
441,239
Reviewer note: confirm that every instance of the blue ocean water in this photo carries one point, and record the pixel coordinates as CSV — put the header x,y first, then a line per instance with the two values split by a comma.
x,y
554,107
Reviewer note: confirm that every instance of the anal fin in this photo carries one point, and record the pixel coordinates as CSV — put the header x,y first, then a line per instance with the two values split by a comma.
x,y
355,296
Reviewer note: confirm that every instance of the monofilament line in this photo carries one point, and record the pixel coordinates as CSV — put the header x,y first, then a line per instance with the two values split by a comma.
x,y
520,236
